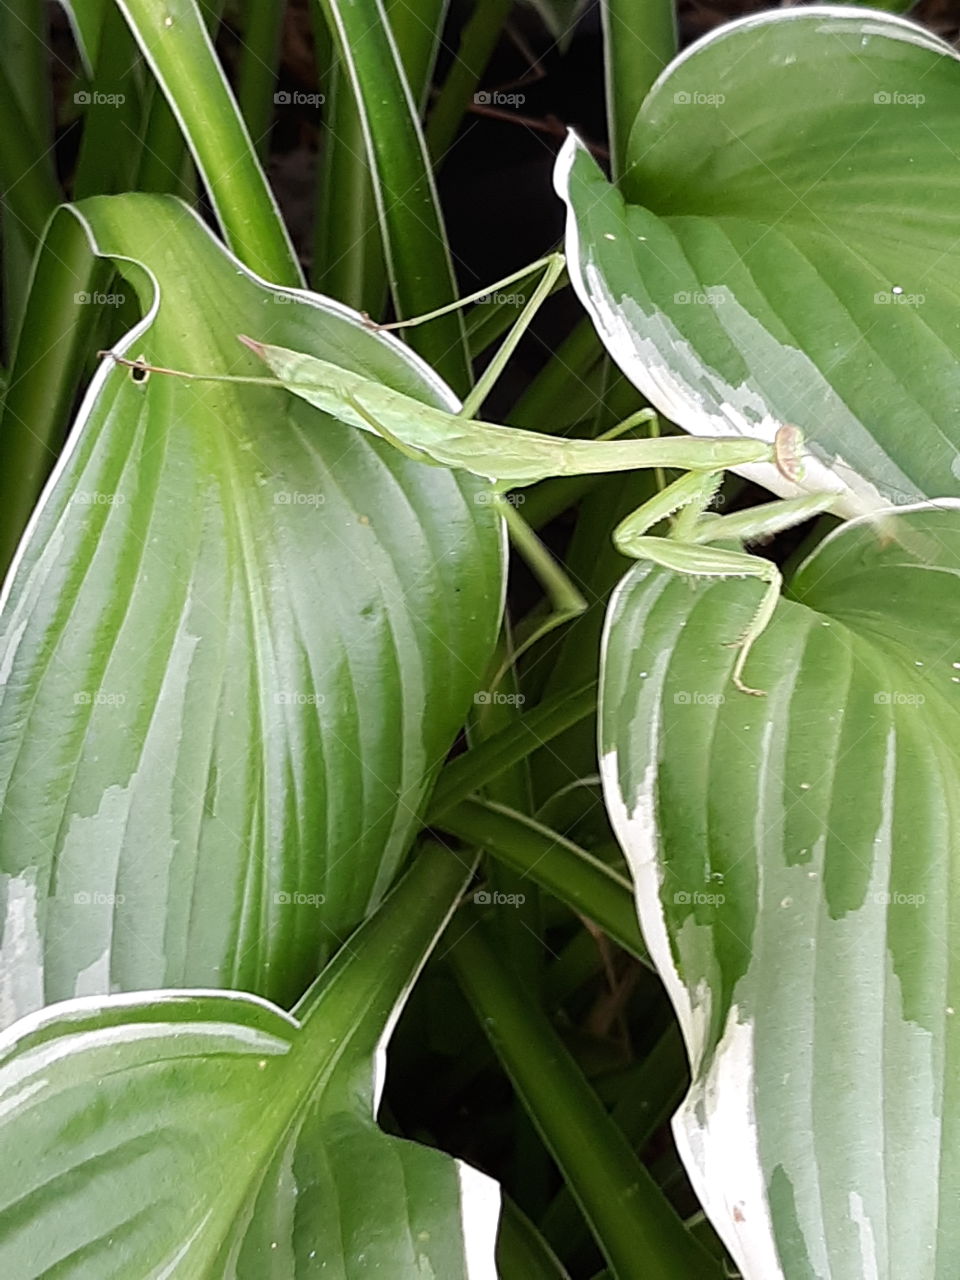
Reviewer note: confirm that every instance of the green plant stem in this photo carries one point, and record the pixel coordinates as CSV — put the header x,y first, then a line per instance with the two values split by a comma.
x,y
522,1253
639,41
649,1092
511,787
257,72
560,391
402,931
164,160
417,29
419,267
110,145
479,39
573,875
520,929
348,253
23,37
528,733
348,262
45,371
638,1231
30,192
182,56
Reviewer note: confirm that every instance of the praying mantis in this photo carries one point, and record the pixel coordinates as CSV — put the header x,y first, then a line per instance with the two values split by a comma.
x,y
510,458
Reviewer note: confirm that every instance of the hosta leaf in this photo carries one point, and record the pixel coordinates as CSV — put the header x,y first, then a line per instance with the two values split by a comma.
x,y
195,1134
794,863
239,640
784,248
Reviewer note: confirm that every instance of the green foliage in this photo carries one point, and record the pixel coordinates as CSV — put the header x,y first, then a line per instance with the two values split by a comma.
x,y
288,777
793,871
103,1164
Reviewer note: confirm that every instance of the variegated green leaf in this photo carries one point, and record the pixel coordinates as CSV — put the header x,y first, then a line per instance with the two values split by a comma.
x,y
236,646
794,859
200,1135
783,250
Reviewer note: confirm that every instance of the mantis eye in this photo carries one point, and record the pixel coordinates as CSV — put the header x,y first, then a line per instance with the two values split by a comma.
x,y
788,452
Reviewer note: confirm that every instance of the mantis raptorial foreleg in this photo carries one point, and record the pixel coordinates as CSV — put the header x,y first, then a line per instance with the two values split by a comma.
x,y
685,550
